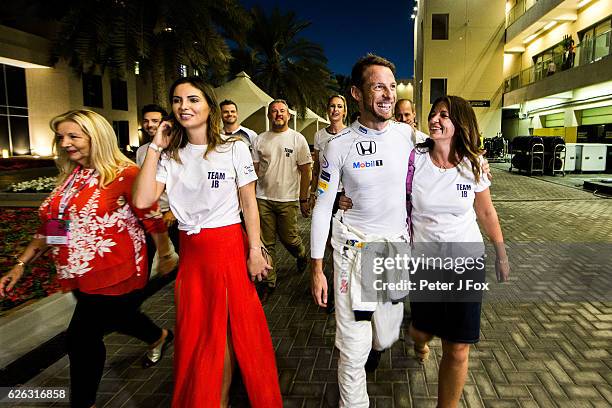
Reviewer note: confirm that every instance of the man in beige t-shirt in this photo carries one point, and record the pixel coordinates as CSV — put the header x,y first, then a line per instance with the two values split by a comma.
x,y
283,164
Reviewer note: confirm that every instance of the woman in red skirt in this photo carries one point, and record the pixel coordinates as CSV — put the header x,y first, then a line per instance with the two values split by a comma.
x,y
208,179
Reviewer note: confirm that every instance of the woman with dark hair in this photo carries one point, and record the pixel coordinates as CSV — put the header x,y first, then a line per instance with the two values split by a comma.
x,y
219,319
450,192
98,245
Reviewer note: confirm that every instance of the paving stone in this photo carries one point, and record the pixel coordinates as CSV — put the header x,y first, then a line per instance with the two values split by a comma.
x,y
543,353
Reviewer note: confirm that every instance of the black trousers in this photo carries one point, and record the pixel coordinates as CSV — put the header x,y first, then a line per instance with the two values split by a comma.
x,y
94,316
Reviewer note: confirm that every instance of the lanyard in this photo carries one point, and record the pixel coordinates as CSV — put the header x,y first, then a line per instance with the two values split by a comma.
x,y
67,194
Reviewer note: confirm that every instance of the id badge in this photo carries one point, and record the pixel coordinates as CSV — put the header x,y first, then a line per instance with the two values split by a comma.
x,y
58,232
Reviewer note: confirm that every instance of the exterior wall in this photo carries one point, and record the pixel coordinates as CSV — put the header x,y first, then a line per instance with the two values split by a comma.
x,y
575,90
471,59
52,91
586,17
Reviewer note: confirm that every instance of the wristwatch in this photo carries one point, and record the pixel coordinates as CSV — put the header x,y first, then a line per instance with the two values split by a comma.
x,y
155,147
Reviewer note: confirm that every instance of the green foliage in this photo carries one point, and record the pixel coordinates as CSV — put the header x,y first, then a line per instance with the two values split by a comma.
x,y
282,64
114,34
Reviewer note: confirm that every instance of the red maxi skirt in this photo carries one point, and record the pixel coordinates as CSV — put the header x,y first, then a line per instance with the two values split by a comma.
x,y
213,289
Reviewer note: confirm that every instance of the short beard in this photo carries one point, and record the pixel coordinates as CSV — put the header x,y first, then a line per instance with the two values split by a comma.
x,y
378,115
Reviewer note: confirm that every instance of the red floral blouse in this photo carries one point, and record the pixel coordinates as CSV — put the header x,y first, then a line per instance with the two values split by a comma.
x,y
106,251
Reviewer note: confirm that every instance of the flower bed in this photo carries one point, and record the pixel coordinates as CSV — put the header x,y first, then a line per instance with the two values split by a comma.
x,y
38,185
17,226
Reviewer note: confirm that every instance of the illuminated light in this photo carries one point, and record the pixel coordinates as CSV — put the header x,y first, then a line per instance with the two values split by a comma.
x,y
20,64
136,68
528,39
413,16
550,25
415,8
5,153
584,3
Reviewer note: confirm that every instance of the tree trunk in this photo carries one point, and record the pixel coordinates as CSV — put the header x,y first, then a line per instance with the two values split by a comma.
x,y
158,76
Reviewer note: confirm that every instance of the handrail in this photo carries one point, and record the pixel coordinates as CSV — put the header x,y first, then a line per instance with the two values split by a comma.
x,y
591,50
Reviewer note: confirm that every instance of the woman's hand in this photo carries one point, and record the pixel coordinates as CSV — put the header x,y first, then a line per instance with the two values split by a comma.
x,y
163,135
169,218
10,279
502,268
345,203
256,264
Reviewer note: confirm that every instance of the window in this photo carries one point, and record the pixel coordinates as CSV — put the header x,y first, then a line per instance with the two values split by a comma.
x,y
437,89
595,42
122,130
14,120
119,95
439,26
92,91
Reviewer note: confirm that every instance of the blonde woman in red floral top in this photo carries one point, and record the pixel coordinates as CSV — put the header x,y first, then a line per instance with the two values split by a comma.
x,y
97,241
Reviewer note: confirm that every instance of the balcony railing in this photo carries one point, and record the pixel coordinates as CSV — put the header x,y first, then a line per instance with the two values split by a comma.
x,y
590,50
518,10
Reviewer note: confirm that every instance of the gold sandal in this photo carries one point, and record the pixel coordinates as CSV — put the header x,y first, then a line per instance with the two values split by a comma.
x,y
422,353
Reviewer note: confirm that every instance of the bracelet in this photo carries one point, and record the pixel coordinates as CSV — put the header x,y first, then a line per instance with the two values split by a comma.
x,y
502,261
155,147
20,262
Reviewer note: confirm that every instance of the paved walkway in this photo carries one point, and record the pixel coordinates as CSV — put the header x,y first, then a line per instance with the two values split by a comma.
x,y
543,353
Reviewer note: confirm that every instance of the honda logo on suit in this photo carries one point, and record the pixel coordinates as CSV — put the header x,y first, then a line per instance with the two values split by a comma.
x,y
366,148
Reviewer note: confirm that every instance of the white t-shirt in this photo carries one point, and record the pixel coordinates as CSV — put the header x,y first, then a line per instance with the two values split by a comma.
x,y
443,202
202,192
418,137
320,143
321,138
245,134
141,154
372,166
279,155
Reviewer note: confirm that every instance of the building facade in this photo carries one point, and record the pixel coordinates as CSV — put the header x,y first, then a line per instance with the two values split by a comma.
x,y
558,70
32,92
459,46
542,66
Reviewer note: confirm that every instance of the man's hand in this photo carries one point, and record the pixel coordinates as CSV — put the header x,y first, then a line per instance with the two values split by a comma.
x,y
345,203
169,219
318,283
305,209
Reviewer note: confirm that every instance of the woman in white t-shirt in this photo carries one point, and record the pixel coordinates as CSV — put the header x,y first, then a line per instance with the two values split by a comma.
x,y
336,112
450,192
219,318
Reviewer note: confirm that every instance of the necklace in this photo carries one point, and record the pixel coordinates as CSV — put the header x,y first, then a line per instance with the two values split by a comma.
x,y
441,167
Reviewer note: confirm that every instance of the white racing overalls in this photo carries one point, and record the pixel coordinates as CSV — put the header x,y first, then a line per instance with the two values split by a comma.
x,y
354,338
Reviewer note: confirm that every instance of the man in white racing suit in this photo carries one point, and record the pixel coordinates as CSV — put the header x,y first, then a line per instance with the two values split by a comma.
x,y
370,158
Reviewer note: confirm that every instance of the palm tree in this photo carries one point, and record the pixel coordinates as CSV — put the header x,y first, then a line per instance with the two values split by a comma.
x,y
158,34
282,64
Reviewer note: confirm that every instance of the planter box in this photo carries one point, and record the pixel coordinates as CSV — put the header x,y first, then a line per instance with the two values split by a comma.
x,y
26,328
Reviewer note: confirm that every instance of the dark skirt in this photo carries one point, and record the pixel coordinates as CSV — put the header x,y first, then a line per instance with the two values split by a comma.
x,y
457,322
